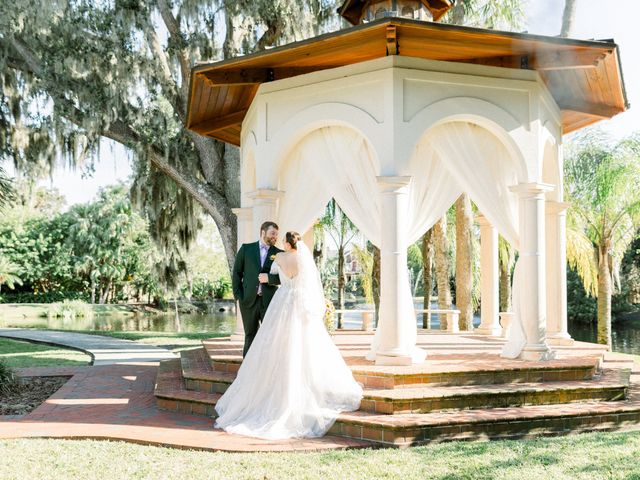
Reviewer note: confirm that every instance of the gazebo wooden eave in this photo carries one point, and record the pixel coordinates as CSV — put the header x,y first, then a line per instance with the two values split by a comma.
x,y
583,76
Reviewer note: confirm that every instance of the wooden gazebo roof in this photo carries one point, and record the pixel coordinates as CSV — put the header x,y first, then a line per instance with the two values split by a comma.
x,y
584,77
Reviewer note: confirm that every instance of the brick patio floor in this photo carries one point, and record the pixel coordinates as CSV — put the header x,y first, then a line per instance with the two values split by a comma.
x,y
117,402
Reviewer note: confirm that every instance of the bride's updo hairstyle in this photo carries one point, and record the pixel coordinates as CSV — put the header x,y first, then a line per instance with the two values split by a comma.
x,y
292,238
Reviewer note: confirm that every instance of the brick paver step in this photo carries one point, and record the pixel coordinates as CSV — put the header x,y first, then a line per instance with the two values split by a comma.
x,y
484,372
460,369
491,423
199,375
171,392
611,385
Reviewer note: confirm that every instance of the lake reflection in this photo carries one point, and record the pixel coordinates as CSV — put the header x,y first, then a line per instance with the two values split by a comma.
x,y
223,322
625,334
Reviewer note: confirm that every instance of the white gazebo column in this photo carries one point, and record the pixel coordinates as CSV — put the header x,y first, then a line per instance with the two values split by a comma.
x,y
396,345
265,207
245,235
489,280
533,289
556,245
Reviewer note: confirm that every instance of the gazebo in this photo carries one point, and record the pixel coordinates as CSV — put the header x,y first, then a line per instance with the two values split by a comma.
x,y
395,118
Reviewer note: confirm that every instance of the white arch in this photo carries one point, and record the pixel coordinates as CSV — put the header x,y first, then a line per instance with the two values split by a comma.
x,y
323,115
472,110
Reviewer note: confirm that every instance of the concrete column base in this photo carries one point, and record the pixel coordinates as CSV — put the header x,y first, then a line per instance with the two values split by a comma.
x,y
494,331
393,360
561,338
538,352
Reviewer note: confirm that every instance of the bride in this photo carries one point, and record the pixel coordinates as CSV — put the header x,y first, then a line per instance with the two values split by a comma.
x,y
293,382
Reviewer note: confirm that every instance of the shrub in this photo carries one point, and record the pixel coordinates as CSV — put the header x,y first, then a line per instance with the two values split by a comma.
x,y
204,289
8,380
70,309
329,316
221,288
46,297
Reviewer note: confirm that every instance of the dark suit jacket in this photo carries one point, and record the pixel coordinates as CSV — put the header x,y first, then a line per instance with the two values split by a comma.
x,y
245,274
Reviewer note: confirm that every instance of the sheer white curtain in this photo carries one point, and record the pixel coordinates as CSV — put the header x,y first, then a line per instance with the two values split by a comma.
x,y
338,162
485,170
331,162
304,201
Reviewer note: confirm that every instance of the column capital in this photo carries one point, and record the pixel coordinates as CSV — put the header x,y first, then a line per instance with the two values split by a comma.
x,y
244,213
393,184
553,208
524,190
265,194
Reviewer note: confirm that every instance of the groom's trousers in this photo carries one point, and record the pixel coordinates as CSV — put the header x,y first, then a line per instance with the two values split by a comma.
x,y
252,315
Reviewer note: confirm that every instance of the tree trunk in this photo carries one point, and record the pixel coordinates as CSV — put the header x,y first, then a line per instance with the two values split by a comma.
x,y
464,255
604,296
319,250
427,274
105,292
568,17
442,267
341,283
375,281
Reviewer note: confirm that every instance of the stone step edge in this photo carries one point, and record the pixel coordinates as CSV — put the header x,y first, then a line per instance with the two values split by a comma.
x,y
614,380
501,414
372,373
176,391
205,374
595,364
488,429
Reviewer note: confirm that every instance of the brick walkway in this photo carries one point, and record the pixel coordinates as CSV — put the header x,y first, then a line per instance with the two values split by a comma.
x,y
104,350
116,402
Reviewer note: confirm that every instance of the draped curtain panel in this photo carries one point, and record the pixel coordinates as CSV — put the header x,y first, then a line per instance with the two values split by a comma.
x,y
450,159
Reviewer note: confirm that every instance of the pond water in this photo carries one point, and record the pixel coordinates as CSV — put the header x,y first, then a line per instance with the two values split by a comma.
x,y
626,333
223,322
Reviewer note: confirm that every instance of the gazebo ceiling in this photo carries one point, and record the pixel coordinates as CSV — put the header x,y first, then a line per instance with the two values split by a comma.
x,y
584,77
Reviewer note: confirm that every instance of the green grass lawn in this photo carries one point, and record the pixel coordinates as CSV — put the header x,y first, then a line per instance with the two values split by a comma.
x,y
588,457
25,354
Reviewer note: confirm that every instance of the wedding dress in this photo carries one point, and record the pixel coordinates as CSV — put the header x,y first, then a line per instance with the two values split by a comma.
x,y
293,382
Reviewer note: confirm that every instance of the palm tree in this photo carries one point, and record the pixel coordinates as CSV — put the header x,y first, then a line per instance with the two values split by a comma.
x,y
7,192
506,261
501,14
442,267
427,273
464,261
9,273
341,230
568,17
603,186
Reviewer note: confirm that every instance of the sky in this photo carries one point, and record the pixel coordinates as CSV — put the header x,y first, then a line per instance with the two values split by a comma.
x,y
543,17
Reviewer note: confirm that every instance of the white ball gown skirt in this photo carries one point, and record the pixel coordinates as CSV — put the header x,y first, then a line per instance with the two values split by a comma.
x,y
293,382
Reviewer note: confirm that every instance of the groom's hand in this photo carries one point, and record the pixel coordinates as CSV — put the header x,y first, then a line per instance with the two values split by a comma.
x,y
263,278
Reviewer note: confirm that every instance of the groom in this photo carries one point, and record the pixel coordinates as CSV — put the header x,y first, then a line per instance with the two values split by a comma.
x,y
253,285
